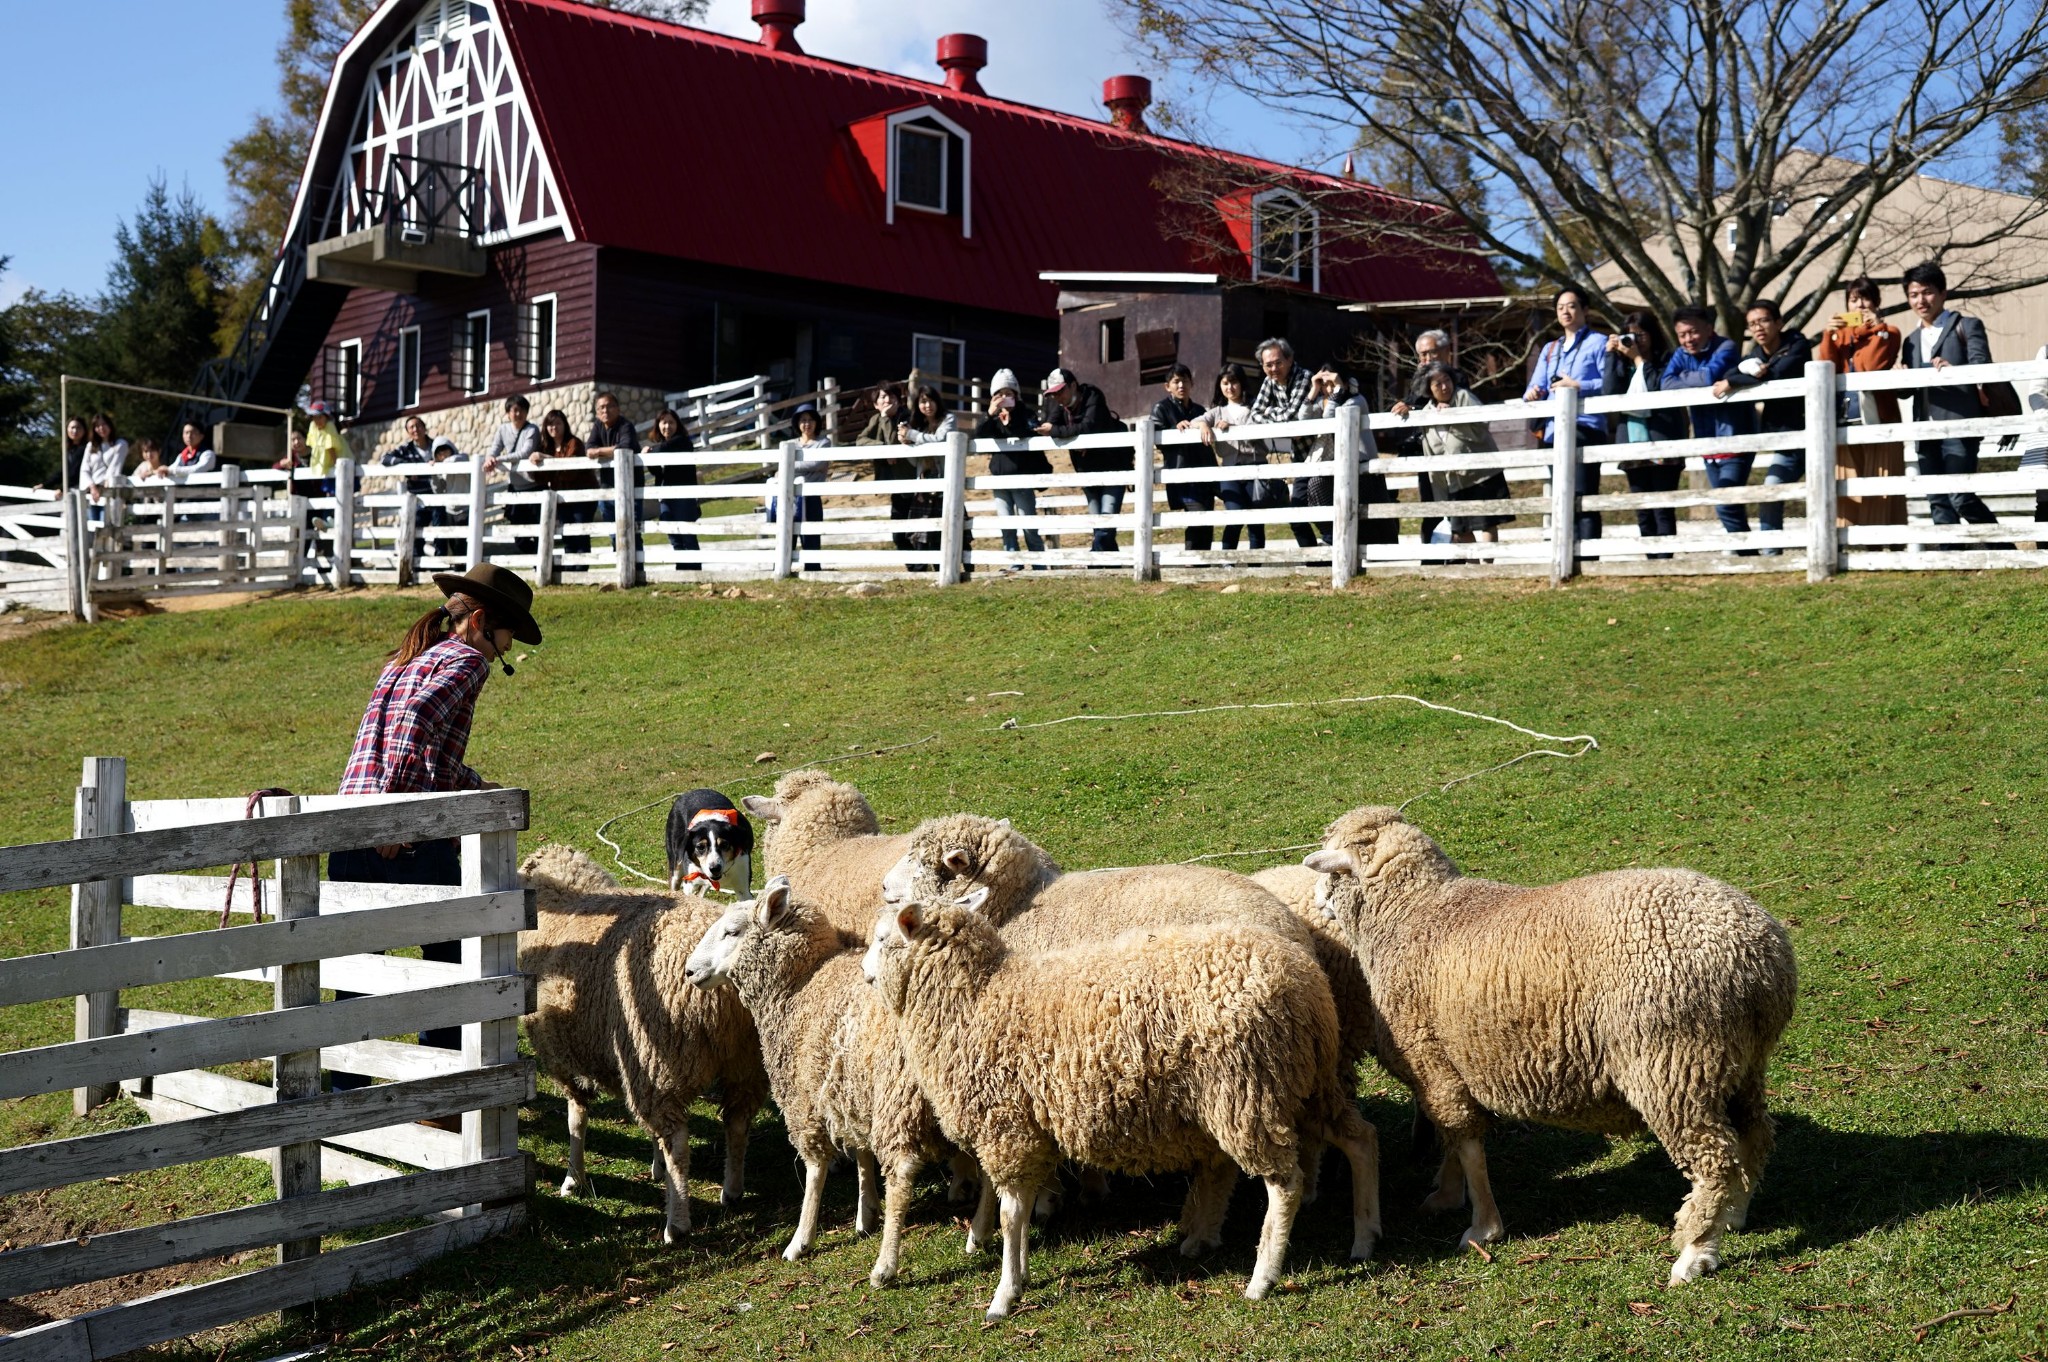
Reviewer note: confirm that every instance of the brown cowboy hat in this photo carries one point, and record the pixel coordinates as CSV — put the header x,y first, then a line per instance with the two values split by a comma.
x,y
500,591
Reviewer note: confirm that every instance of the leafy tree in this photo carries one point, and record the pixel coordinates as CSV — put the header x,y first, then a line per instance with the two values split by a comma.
x,y
39,334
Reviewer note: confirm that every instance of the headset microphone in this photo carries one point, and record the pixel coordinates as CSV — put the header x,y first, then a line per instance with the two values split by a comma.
x,y
500,656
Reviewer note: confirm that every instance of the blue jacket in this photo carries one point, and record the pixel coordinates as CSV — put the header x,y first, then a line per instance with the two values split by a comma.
x,y
1687,370
1581,362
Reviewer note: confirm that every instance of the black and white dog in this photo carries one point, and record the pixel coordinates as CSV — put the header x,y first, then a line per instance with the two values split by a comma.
x,y
709,841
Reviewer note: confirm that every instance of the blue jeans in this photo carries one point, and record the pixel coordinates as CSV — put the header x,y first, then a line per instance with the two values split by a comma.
x,y
1104,501
1732,471
1237,496
1789,466
807,508
1019,501
1939,457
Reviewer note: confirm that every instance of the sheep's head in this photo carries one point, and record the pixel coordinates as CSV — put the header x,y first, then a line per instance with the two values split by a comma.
x,y
746,929
921,927
564,870
949,855
1362,851
826,807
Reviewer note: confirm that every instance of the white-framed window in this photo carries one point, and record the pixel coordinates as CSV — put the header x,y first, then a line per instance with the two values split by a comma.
x,y
938,356
1284,242
1109,337
537,338
931,166
345,380
440,21
408,367
470,367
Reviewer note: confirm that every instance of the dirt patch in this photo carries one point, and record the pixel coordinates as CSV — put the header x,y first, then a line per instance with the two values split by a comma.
x,y
31,1219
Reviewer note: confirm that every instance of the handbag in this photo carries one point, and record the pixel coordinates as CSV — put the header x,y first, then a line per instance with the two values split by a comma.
x,y
1999,399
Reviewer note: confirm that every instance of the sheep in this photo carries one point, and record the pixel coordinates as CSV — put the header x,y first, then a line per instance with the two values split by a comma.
x,y
832,1057
1210,1047
1295,886
614,1013
1608,1003
823,834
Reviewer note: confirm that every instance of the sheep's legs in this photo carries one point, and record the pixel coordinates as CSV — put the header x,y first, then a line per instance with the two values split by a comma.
x,y
1283,1203
1016,1229
1450,1183
1754,1137
1361,1145
982,1228
868,1205
1201,1216
576,1183
676,1144
807,1219
738,1125
897,1187
1486,1225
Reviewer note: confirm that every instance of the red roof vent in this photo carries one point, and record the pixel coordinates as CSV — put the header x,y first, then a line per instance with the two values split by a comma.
x,y
778,20
1127,98
961,55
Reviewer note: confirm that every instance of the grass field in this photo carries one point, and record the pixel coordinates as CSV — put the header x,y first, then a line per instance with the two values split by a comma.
x,y
1865,757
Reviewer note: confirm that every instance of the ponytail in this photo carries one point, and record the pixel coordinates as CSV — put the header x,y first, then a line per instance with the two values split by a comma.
x,y
432,627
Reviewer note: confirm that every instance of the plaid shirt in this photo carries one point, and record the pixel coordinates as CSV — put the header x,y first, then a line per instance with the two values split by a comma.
x,y
417,726
1275,404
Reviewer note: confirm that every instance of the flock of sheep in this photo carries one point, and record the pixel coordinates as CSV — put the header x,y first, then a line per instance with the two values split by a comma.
x,y
950,995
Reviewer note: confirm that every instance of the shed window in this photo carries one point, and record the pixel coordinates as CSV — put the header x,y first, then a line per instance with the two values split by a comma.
x,y
921,168
471,370
1283,236
409,367
1110,341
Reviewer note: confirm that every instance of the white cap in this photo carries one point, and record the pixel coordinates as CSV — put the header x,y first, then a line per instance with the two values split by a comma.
x,y
1055,380
1005,378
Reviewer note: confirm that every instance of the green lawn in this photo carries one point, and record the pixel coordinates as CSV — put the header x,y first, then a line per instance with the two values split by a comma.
x,y
1864,756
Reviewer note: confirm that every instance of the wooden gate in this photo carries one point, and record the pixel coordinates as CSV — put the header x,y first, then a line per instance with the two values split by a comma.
x,y
315,934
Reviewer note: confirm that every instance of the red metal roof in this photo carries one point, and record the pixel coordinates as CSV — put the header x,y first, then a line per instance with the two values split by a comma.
x,y
680,142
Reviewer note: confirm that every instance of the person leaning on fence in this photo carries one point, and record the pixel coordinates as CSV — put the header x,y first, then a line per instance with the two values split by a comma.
x,y
670,436
1006,421
149,463
929,424
1328,391
105,462
1475,437
196,457
415,734
1634,363
885,428
1179,411
442,453
1227,410
417,448
1702,359
1775,354
809,433
610,434
1074,409
557,443
1943,339
1860,341
1431,347
512,446
76,434
325,444
1573,360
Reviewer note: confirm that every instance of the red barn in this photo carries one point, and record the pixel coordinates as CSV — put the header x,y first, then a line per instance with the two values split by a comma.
x,y
544,197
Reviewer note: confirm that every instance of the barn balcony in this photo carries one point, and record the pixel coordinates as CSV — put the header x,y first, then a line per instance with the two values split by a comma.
x,y
426,218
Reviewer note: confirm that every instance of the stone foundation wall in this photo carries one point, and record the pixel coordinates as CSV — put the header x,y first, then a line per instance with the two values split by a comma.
x,y
472,426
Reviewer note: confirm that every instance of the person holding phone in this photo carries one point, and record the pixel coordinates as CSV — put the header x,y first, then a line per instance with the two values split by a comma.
x,y
1860,341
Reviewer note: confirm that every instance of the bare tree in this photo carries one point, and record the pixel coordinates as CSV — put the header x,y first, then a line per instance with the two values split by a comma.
x,y
1712,151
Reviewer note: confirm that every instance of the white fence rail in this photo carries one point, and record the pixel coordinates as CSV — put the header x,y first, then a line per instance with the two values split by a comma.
x,y
35,562
466,1185
1333,495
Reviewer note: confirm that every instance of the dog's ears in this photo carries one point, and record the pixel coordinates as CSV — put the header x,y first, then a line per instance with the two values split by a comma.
x,y
958,861
1331,862
762,807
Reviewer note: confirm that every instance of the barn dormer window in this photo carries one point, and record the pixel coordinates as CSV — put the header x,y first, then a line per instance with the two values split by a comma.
x,y
1284,238
930,167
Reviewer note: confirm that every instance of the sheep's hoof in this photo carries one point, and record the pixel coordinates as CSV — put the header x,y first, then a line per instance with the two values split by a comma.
x,y
793,1252
1194,1246
1256,1289
1363,1244
673,1233
882,1275
730,1199
575,1186
1694,1262
976,1243
1000,1307
1480,1234
1443,1199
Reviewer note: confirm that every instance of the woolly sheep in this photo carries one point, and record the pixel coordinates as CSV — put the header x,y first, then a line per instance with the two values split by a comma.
x,y
1295,886
823,835
1206,1047
614,1013
1608,1003
833,1060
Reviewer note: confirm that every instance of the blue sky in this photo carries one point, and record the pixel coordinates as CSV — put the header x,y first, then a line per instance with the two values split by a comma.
x,y
119,90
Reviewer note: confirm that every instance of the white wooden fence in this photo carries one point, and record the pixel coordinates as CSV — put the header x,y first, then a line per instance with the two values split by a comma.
x,y
318,935
35,558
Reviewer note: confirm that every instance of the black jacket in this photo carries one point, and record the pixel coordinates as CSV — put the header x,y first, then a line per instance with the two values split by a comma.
x,y
1962,342
1615,375
1090,415
1003,461
1789,361
669,475
1167,414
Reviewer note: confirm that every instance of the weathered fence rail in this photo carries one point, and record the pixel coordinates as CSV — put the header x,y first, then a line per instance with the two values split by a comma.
x,y
320,934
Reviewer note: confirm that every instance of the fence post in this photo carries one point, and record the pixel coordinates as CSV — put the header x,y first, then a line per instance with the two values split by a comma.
x,y
344,522
1143,566
550,521
1823,409
977,397
953,511
828,406
763,423
1353,442
230,506
1564,481
402,545
101,811
626,529
74,555
479,501
786,510
490,863
296,1075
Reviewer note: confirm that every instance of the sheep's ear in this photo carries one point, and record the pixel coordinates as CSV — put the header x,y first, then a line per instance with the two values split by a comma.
x,y
763,807
1002,825
957,861
973,898
909,921
773,905
1331,862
